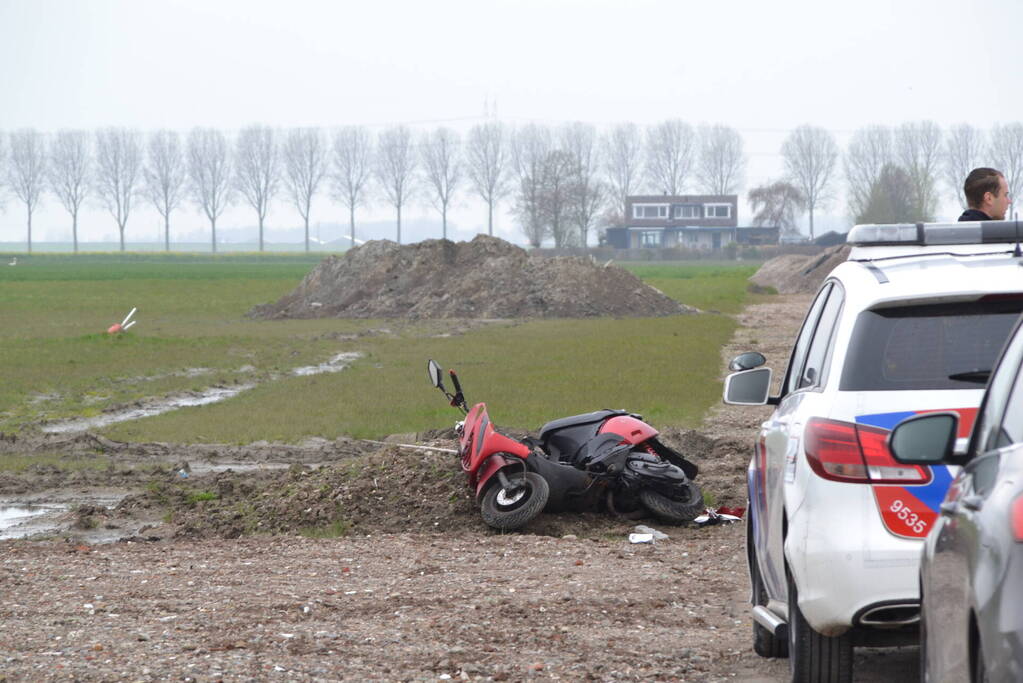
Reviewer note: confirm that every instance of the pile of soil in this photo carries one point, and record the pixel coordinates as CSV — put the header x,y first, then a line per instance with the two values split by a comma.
x,y
798,274
484,278
392,490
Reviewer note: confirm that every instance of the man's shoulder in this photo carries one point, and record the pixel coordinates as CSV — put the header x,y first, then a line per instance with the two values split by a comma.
x,y
974,215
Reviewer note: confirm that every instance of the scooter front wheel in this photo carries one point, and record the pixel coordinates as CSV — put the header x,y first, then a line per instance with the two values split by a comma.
x,y
511,508
681,508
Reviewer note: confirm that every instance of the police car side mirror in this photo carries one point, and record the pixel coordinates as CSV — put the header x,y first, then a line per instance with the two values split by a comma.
x,y
749,388
927,439
747,361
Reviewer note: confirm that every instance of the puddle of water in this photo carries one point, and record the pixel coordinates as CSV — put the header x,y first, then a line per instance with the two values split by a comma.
x,y
15,520
20,518
211,395
210,468
337,363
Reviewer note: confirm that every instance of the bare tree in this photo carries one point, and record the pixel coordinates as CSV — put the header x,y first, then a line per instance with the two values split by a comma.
x,y
670,155
118,170
26,170
1006,152
586,190
892,198
810,155
305,164
530,147
442,166
722,160
353,167
869,151
70,173
964,147
396,167
209,169
165,176
623,159
487,165
918,153
776,204
3,168
257,169
556,197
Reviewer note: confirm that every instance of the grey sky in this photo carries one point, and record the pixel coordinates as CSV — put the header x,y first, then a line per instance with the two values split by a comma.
x,y
761,67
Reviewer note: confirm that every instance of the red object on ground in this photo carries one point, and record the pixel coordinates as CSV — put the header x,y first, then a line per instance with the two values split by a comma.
x,y
114,329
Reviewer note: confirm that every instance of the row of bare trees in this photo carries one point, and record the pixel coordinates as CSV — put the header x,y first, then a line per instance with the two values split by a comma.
x,y
118,166
892,174
562,182
560,179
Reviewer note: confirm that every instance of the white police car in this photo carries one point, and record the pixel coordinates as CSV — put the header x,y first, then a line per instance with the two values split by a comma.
x,y
911,323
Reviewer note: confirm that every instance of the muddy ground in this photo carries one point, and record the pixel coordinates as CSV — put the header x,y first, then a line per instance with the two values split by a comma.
x,y
353,560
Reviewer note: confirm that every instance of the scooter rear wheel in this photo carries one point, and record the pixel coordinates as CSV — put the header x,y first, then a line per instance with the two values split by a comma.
x,y
680,509
509,509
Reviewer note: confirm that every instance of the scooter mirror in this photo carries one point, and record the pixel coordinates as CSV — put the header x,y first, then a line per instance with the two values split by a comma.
x,y
435,374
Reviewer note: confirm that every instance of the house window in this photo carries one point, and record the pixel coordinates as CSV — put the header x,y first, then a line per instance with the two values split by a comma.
x,y
719,210
649,210
689,211
650,238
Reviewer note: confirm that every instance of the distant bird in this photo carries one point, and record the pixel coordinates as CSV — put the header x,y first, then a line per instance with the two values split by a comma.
x,y
14,261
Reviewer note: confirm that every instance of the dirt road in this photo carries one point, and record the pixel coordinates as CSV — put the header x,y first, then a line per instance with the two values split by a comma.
x,y
418,590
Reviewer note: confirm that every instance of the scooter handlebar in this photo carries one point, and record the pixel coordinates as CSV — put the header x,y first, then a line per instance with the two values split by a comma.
x,y
454,380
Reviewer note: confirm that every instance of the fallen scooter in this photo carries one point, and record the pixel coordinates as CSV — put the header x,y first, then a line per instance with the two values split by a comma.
x,y
608,457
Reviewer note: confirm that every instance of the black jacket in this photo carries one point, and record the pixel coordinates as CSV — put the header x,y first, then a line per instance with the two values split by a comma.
x,y
974,215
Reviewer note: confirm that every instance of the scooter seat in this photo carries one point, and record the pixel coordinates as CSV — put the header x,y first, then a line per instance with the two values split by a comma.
x,y
576,420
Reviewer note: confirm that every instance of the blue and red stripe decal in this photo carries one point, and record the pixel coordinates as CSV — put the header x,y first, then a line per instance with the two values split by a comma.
x,y
909,511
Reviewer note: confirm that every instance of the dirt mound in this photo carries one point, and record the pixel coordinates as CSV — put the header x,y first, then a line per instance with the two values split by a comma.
x,y
390,491
484,278
795,273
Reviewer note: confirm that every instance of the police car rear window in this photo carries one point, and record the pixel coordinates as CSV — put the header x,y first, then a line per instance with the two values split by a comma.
x,y
928,347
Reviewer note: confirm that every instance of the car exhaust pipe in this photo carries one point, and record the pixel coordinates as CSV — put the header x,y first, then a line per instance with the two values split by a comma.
x,y
891,614
771,621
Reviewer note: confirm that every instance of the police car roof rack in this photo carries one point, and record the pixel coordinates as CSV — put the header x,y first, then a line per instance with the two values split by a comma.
x,y
909,234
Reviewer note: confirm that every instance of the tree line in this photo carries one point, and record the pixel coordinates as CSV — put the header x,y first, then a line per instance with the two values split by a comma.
x,y
892,174
562,182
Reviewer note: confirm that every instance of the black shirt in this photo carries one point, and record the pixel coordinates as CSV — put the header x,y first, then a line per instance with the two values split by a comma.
x,y
974,215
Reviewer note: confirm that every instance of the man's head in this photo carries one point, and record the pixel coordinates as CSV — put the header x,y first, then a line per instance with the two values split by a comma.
x,y
986,190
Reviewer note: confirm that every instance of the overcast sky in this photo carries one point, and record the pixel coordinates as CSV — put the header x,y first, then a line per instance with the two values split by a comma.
x,y
761,67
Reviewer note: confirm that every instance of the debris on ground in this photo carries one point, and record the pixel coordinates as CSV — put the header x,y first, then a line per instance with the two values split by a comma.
x,y
711,517
654,533
485,278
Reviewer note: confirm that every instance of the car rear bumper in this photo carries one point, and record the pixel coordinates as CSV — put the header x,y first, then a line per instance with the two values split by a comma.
x,y
850,571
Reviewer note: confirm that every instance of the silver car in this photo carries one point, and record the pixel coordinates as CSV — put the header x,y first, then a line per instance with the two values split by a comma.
x,y
971,573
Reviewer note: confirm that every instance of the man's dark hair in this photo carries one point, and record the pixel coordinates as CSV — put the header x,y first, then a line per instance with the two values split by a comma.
x,y
979,181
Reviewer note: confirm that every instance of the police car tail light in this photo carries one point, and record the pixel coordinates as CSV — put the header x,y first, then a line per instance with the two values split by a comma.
x,y
1016,518
847,452
881,466
833,451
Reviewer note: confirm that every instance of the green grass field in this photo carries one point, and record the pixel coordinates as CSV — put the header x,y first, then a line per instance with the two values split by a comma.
x,y
57,361
718,287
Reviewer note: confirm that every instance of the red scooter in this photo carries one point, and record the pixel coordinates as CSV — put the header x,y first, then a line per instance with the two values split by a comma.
x,y
608,456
